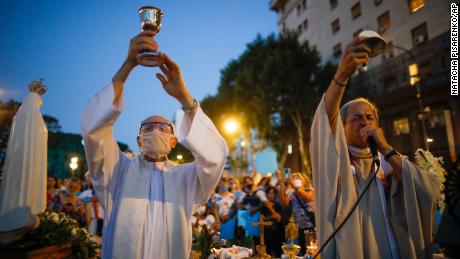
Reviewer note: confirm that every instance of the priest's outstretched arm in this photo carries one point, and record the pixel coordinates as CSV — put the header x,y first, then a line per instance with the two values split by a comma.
x,y
101,149
356,55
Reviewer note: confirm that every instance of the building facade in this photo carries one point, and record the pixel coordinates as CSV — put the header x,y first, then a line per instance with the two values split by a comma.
x,y
410,82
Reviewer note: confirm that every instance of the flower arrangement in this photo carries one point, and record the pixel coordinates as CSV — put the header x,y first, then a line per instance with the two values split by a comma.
x,y
204,241
433,165
60,229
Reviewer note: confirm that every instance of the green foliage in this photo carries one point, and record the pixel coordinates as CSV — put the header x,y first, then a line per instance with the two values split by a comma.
x,y
187,156
7,112
274,87
60,229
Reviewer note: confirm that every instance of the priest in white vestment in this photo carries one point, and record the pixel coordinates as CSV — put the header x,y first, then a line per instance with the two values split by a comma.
x,y
149,200
395,218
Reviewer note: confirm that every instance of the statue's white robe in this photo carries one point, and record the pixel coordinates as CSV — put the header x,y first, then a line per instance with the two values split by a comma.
x,y
23,187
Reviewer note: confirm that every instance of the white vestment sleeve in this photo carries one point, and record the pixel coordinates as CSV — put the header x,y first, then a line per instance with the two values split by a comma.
x,y
334,187
101,149
210,150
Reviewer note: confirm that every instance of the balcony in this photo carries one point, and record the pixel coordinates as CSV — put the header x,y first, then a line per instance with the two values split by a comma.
x,y
277,5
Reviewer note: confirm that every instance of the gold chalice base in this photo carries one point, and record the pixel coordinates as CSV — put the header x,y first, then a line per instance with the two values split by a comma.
x,y
291,250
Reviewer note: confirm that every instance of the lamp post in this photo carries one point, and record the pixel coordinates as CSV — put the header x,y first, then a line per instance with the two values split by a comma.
x,y
414,80
231,127
73,164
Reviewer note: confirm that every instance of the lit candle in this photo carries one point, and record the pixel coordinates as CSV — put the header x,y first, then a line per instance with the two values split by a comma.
x,y
312,249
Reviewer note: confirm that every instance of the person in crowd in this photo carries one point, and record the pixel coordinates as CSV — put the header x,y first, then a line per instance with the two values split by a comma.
x,y
87,194
65,182
205,214
263,184
236,189
227,208
59,183
300,198
68,202
51,188
274,233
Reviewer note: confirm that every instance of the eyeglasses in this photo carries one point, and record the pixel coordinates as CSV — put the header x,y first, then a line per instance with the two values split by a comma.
x,y
147,127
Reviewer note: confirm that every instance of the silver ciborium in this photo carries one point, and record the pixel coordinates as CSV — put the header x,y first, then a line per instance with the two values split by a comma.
x,y
150,17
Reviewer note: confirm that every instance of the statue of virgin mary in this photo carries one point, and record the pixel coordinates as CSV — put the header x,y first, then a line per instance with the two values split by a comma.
x,y
23,187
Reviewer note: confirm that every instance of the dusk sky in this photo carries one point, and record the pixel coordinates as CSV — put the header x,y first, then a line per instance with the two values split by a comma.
x,y
77,46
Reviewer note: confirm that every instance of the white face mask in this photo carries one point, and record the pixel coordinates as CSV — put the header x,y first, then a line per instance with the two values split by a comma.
x,y
297,183
155,144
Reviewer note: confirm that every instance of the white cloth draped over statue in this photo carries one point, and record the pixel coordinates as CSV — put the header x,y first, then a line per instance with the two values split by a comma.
x,y
23,188
404,215
149,205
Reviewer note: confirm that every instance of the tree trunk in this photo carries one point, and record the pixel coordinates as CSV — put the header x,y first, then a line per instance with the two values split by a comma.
x,y
303,155
282,158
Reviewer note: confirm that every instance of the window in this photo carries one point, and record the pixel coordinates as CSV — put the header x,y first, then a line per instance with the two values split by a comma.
x,y
337,50
415,5
388,51
390,83
356,33
425,70
299,29
333,4
377,2
436,119
419,34
356,10
383,21
335,25
401,126
305,24
304,4
299,10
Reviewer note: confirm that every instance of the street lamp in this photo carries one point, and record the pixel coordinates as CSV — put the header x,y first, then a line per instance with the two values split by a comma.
x,y
179,157
289,149
414,80
231,126
73,164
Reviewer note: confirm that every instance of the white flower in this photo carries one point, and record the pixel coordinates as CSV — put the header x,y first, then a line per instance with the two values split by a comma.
x,y
432,165
55,218
74,232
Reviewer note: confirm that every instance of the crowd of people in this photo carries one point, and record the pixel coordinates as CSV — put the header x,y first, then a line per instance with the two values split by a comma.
x,y
235,208
77,200
229,213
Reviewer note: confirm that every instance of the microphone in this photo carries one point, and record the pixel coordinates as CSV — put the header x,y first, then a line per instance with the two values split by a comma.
x,y
373,146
